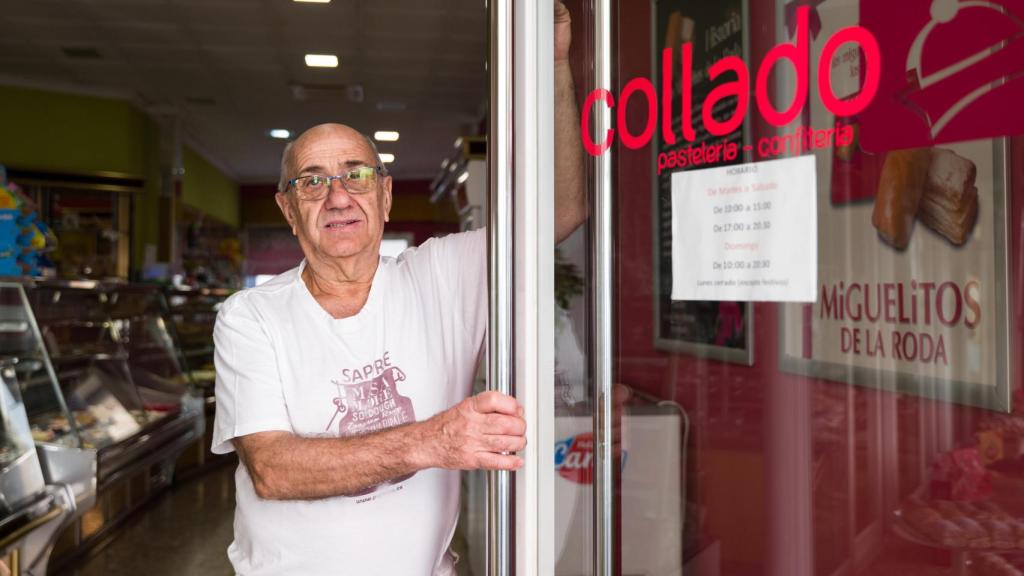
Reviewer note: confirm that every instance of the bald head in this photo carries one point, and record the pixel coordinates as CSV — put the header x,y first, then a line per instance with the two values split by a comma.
x,y
322,131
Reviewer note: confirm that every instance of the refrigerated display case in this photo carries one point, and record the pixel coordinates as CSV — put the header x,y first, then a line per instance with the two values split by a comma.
x,y
123,392
119,370
20,474
194,312
31,511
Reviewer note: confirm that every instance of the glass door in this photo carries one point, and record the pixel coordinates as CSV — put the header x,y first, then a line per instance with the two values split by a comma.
x,y
786,340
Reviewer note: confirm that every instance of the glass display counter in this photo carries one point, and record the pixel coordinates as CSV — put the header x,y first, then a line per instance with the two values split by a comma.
x,y
31,510
120,373
194,313
21,477
121,391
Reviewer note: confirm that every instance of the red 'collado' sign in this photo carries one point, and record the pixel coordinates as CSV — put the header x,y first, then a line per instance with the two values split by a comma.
x,y
796,52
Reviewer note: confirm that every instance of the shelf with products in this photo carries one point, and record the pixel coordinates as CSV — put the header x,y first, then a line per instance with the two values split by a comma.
x,y
210,249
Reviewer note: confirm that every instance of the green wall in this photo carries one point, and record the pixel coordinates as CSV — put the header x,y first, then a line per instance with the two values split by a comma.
x,y
71,133
146,216
207,189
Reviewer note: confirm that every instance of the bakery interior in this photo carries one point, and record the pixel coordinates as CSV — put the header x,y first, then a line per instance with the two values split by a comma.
x,y
878,430
142,143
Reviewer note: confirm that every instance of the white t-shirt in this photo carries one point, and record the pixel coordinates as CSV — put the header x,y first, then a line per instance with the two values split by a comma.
x,y
283,363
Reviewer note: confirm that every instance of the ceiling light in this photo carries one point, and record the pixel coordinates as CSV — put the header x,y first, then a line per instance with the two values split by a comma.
x,y
315,1
385,136
444,164
387,158
280,133
321,60
463,177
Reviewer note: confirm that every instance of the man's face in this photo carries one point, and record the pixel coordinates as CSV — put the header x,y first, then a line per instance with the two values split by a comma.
x,y
341,225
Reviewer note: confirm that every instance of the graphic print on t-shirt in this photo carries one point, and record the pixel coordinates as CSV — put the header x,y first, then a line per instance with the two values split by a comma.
x,y
368,401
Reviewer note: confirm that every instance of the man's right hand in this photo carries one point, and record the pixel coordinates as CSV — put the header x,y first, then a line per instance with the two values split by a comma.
x,y
481,432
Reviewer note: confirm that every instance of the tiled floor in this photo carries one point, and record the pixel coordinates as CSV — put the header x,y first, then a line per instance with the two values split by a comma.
x,y
187,531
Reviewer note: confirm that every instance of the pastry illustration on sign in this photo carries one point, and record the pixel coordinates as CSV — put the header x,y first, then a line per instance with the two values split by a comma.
x,y
950,202
935,186
899,195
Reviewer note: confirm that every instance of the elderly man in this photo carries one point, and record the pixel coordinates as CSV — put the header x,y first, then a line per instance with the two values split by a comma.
x,y
343,384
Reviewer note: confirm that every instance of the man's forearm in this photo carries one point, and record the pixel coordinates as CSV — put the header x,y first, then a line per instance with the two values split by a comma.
x,y
483,431
284,466
570,192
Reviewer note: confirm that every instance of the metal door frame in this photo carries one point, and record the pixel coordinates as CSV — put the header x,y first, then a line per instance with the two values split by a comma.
x,y
521,283
521,280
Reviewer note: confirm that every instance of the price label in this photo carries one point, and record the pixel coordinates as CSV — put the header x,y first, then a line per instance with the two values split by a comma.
x,y
746,232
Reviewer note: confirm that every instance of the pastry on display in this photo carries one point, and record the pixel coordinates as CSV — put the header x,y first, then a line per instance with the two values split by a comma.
x,y
52,430
989,564
144,417
932,524
978,526
1007,424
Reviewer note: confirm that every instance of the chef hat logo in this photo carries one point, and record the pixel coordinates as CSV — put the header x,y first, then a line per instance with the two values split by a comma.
x,y
950,65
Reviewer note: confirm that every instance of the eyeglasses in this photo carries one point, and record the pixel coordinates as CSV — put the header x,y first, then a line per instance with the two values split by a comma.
x,y
356,181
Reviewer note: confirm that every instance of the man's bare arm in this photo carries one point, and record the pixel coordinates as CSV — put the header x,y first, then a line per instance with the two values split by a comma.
x,y
570,189
475,434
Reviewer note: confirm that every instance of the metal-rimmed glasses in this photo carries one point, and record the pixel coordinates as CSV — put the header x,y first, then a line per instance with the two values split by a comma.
x,y
358,180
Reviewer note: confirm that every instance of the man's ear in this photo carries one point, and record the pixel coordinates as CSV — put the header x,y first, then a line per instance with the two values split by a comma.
x,y
284,203
387,198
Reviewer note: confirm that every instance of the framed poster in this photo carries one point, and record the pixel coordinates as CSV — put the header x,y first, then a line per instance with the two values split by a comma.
x,y
717,330
915,303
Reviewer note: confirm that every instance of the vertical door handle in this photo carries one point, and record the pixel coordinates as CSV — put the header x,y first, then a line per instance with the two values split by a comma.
x,y
500,170
601,308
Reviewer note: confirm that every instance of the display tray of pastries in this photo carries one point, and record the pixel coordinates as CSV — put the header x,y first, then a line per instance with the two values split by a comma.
x,y
53,431
95,430
989,564
974,526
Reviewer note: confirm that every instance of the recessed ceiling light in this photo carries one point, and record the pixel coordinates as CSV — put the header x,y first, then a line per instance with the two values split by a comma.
x,y
387,158
385,136
280,133
444,164
321,60
463,177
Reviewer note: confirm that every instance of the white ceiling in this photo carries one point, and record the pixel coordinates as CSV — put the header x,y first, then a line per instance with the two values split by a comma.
x,y
229,67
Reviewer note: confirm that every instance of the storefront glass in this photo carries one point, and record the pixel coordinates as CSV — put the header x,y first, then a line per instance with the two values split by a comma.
x,y
819,285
